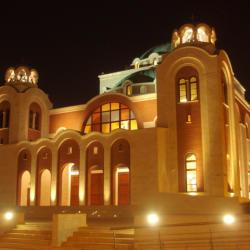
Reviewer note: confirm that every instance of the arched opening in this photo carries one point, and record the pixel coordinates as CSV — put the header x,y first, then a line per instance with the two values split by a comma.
x,y
45,188
187,35
68,173
120,158
230,175
25,189
44,165
23,178
129,90
202,34
95,174
4,122
122,186
95,186
35,118
70,185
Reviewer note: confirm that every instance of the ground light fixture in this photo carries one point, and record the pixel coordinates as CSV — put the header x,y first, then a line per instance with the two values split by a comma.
x,y
228,219
152,219
8,215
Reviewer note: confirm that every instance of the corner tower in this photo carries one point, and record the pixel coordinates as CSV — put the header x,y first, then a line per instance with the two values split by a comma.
x,y
191,104
23,107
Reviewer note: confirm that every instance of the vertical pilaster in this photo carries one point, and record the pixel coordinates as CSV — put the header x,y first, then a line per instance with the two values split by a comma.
x,y
54,167
82,178
33,179
107,176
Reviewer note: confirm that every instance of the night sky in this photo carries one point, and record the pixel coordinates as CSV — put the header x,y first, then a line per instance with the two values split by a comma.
x,y
70,43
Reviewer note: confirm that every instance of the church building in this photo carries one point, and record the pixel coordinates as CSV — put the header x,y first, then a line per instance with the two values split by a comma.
x,y
171,132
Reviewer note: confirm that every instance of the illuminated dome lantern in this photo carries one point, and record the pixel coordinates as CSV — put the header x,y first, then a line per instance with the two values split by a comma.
x,y
196,35
21,78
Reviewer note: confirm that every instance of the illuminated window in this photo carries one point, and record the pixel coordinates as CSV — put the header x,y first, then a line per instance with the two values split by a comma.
x,y
188,89
4,114
193,89
129,90
187,35
183,90
111,116
191,175
202,35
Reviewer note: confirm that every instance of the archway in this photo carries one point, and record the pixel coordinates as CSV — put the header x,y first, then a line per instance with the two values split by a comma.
x,y
68,173
95,173
122,185
45,188
120,160
25,189
70,185
95,186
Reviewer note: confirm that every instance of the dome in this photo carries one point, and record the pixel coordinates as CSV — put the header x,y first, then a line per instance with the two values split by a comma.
x,y
200,34
21,78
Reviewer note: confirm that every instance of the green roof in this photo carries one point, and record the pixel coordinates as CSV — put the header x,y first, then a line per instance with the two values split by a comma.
x,y
160,49
147,75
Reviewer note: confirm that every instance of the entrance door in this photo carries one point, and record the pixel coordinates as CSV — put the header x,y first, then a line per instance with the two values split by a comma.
x,y
74,197
123,188
96,188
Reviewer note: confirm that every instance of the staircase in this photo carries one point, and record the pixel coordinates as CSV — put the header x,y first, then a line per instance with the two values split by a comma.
x,y
95,238
28,236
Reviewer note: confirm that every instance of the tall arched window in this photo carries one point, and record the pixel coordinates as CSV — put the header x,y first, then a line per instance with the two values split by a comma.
x,y
111,116
4,114
187,81
128,90
95,174
35,117
120,172
191,173
193,88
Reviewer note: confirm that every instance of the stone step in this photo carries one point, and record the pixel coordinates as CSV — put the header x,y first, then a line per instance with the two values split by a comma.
x,y
25,241
13,245
26,231
97,247
81,239
28,235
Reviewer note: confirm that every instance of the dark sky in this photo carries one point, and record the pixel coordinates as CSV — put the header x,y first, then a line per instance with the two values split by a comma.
x,y
70,43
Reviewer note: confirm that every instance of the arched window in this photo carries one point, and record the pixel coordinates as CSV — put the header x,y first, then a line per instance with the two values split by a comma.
x,y
120,172
191,173
193,89
68,173
129,90
187,35
202,35
111,116
4,114
182,90
35,117
187,81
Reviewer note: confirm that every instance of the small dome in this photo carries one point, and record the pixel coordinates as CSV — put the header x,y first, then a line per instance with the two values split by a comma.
x,y
21,78
193,34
